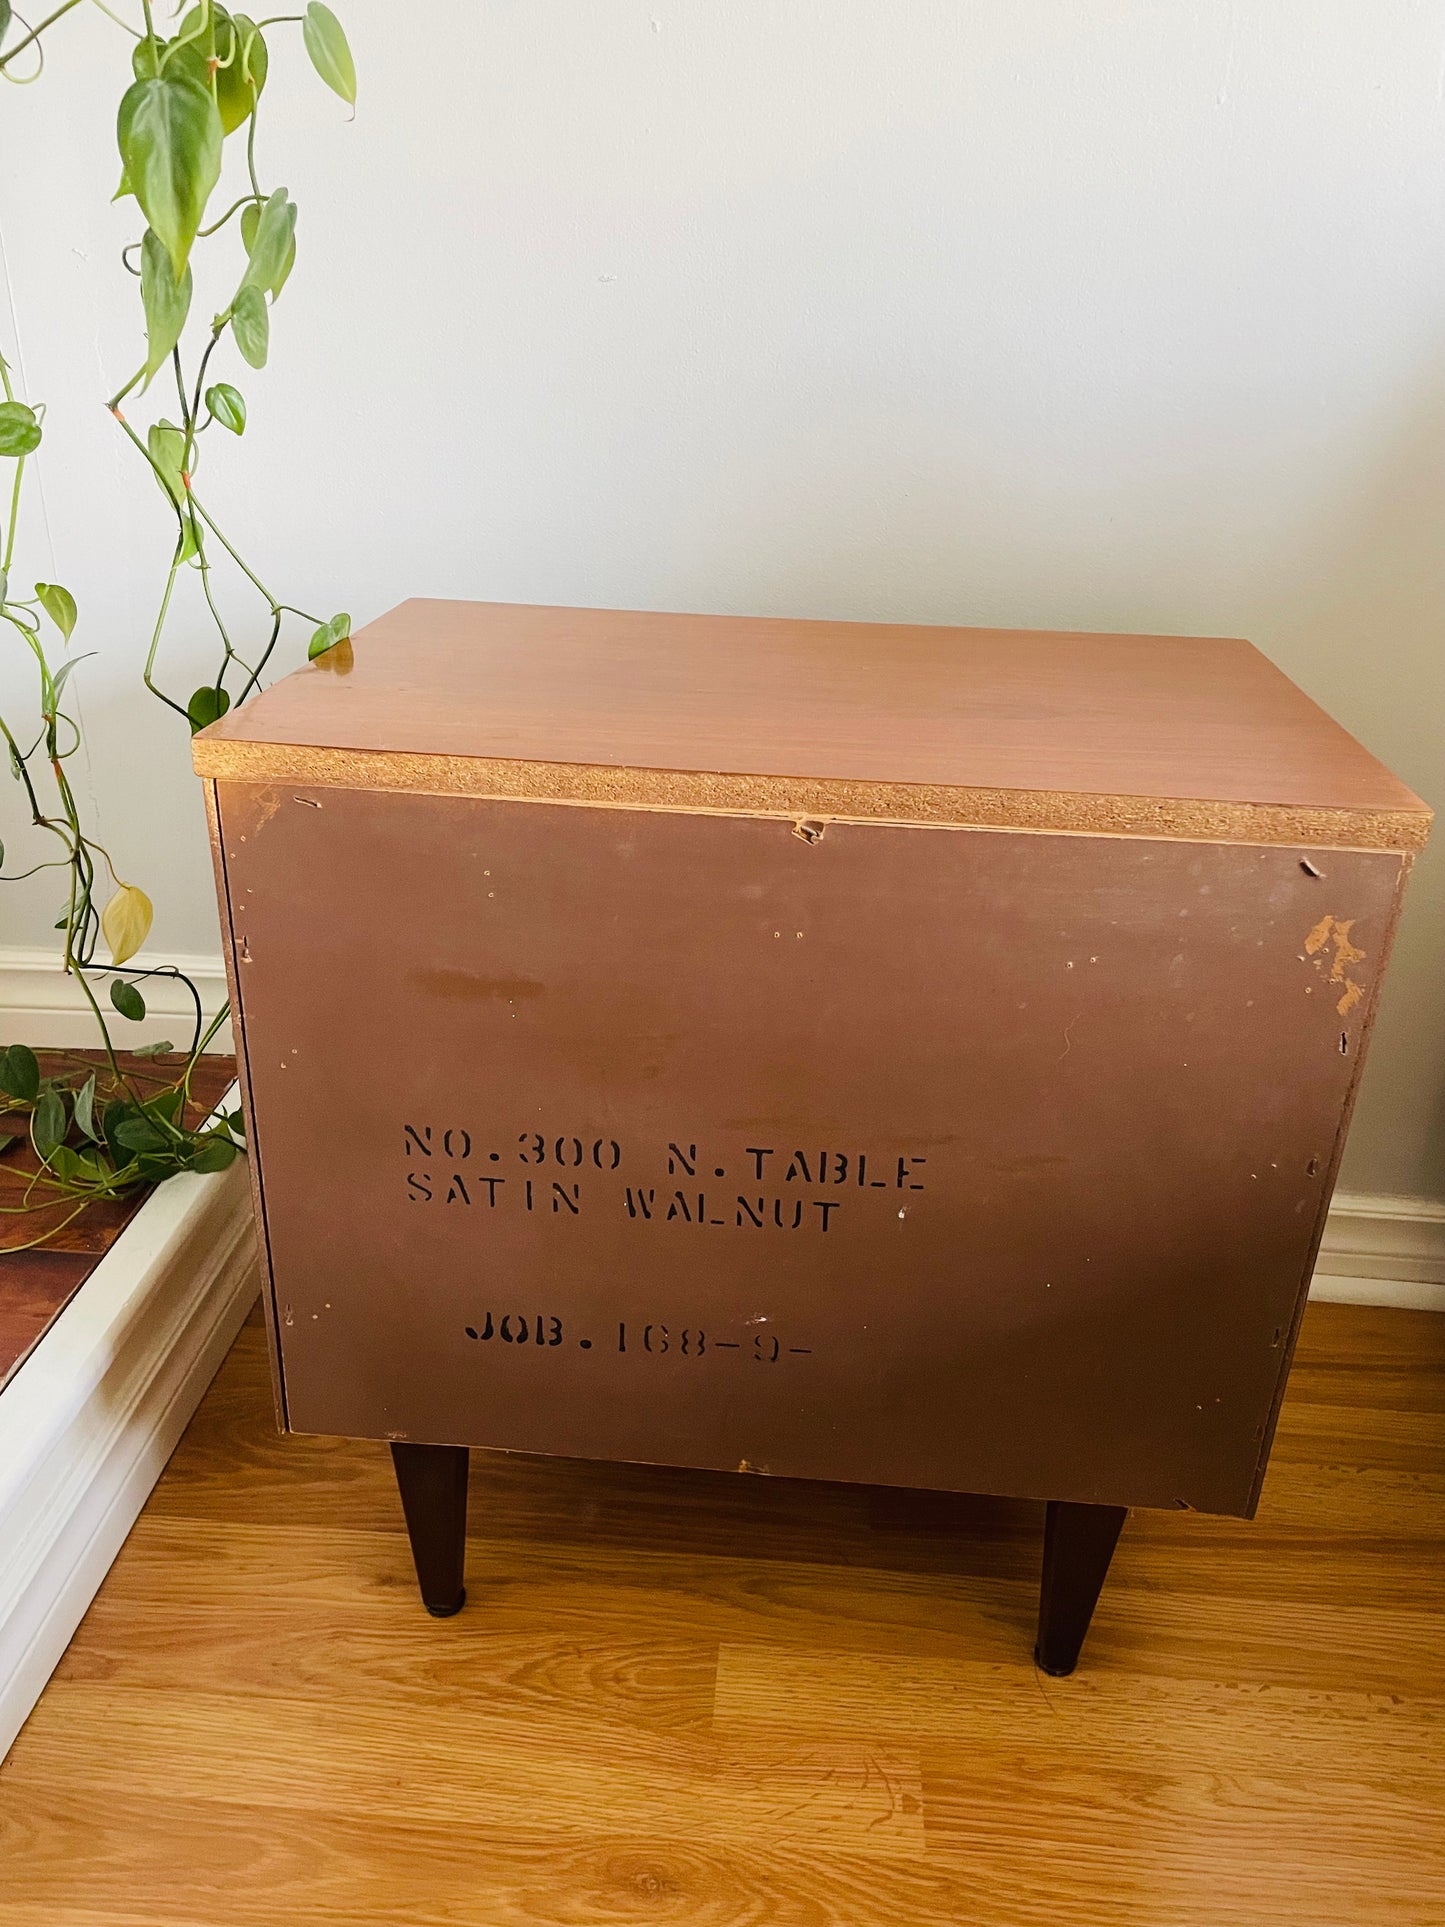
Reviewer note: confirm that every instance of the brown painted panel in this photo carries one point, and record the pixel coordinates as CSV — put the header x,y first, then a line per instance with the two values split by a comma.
x,y
943,1158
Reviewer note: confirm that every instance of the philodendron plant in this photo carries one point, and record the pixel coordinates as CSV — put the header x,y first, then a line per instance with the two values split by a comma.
x,y
188,104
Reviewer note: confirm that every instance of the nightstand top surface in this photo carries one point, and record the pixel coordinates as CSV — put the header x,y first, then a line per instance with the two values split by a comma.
x,y
1183,736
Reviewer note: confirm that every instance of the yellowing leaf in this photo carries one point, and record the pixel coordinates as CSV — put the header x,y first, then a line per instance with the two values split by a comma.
x,y
126,921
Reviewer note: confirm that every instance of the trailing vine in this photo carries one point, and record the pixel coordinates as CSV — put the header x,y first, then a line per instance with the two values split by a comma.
x,y
187,115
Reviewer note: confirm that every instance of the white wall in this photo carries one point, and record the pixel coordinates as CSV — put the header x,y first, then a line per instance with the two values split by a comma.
x,y
1118,315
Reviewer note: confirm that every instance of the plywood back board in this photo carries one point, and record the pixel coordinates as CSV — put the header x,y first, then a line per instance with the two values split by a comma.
x,y
931,1157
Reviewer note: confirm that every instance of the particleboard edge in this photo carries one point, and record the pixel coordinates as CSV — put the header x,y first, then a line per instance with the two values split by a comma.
x,y
830,799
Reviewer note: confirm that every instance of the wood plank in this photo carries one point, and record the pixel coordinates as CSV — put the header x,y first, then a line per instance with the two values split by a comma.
x,y
255,1866
715,1701
512,1766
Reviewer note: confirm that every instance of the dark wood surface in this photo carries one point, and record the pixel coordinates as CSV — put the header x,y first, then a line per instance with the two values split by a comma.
x,y
697,1700
1137,716
36,1285
1079,1542
432,1481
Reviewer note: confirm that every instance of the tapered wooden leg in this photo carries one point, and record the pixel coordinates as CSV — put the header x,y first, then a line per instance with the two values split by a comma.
x,y
1079,1542
433,1484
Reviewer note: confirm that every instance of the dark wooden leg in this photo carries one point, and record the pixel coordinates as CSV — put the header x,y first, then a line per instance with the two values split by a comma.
x,y
1079,1542
433,1483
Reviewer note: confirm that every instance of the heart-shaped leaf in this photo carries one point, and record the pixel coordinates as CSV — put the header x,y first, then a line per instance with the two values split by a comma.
x,y
138,1134
59,605
167,444
251,325
227,406
19,428
251,57
85,1110
242,74
327,636
272,245
169,132
126,922
20,1073
48,1123
216,1153
127,999
330,54
206,706
166,299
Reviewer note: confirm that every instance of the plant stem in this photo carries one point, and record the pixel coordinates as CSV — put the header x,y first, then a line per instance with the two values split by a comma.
x,y
35,33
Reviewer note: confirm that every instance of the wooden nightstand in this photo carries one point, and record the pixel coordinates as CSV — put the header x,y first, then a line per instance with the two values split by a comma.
x,y
914,1056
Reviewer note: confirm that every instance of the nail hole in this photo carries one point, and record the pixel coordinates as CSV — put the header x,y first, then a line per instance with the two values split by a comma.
x,y
1278,1333
1312,1169
1308,868
1344,1043
309,801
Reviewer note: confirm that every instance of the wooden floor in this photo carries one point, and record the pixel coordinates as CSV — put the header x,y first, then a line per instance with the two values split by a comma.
x,y
731,1702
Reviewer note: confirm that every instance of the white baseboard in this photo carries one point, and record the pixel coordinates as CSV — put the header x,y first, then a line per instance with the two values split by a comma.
x,y
43,1007
89,1420
1380,1250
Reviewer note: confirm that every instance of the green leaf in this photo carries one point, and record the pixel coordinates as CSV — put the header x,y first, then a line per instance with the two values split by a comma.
x,y
127,1000
206,706
227,406
252,59
272,246
20,1073
166,299
327,636
85,1110
167,444
59,605
55,684
216,1153
330,54
19,428
238,81
145,57
48,1123
4,18
169,132
162,1049
137,1134
251,325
